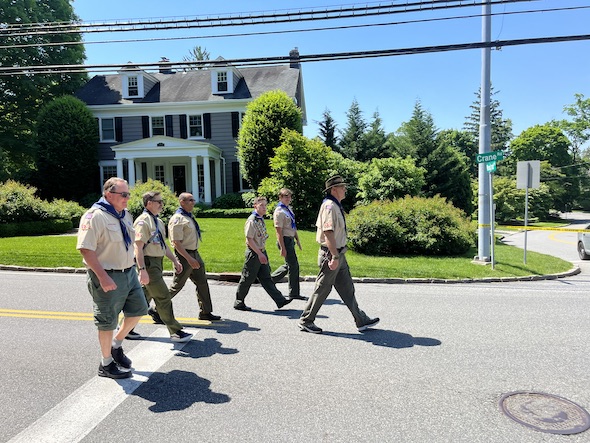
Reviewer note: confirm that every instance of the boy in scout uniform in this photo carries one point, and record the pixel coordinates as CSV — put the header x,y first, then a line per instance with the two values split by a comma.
x,y
150,248
105,242
185,236
334,271
256,264
286,229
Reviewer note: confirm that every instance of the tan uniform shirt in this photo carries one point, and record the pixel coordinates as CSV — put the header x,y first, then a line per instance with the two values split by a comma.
x,y
283,220
101,232
182,229
145,231
330,218
256,230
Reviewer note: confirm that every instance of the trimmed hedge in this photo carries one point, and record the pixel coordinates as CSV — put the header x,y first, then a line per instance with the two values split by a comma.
x,y
43,227
222,213
410,226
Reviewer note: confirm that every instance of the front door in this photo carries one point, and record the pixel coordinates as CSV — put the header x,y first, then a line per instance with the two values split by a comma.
x,y
179,179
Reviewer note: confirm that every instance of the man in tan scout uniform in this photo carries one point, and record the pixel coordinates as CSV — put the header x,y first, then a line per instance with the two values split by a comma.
x,y
256,264
104,240
286,229
185,236
150,248
334,271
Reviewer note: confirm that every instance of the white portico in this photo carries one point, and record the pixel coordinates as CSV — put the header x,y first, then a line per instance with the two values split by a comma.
x,y
183,165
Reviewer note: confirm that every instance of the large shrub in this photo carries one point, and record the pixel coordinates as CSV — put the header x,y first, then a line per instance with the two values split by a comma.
x,y
510,201
232,200
412,225
18,203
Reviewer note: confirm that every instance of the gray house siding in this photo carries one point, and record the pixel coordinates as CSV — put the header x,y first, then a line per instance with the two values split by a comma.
x,y
221,136
132,129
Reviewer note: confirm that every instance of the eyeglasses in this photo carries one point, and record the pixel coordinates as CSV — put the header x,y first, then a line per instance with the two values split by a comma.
x,y
122,194
157,201
190,200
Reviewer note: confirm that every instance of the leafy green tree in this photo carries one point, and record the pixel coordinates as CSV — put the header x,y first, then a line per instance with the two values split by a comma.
x,y
67,157
463,142
501,128
351,171
351,139
260,135
327,128
301,165
22,96
578,128
541,142
374,141
390,178
510,201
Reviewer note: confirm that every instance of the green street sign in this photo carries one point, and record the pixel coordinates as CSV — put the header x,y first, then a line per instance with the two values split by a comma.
x,y
491,166
489,157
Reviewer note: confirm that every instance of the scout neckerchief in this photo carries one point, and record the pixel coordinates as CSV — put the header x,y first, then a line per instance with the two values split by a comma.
x,y
190,215
159,234
289,213
106,206
259,225
335,200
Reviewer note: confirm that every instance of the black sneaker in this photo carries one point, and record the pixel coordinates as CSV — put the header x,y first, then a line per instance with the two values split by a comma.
x,y
120,358
181,337
310,327
297,297
241,306
132,335
372,322
209,316
284,302
155,316
112,371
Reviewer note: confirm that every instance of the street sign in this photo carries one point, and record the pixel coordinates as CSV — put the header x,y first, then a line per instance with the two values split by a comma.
x,y
490,157
491,166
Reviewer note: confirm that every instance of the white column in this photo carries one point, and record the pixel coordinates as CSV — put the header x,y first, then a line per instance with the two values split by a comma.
x,y
217,177
120,167
194,177
131,167
207,179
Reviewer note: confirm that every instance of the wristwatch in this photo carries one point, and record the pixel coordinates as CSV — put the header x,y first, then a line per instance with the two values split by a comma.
x,y
335,257
141,269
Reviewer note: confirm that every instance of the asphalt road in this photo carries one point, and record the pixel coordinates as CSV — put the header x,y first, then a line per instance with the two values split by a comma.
x,y
433,370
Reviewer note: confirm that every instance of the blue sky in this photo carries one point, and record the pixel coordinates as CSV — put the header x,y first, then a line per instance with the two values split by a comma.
x,y
534,82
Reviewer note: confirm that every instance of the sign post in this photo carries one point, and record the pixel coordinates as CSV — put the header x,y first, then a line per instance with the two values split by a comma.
x,y
528,175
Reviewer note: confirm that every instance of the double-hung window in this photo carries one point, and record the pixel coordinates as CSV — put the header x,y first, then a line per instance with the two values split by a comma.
x,y
107,129
158,126
195,126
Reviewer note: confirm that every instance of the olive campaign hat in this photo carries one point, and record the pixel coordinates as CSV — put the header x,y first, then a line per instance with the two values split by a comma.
x,y
336,180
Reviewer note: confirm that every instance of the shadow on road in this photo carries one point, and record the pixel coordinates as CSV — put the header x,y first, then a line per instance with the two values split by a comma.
x,y
389,339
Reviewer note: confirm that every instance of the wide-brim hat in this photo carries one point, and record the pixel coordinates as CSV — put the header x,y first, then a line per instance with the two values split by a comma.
x,y
335,180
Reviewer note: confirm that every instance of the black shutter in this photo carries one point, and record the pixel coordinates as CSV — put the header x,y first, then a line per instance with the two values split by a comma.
x,y
145,126
235,176
119,129
235,124
169,126
207,125
183,133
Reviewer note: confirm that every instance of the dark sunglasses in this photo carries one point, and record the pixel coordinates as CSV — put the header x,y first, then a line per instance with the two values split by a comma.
x,y
122,194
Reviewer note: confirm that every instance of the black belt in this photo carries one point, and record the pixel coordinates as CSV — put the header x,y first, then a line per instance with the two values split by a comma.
x,y
325,248
119,270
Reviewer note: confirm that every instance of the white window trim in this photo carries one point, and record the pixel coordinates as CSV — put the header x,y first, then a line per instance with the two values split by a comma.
x,y
100,129
164,170
102,164
125,80
152,126
188,127
230,81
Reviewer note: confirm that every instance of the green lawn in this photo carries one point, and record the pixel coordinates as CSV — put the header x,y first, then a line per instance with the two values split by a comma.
x,y
223,251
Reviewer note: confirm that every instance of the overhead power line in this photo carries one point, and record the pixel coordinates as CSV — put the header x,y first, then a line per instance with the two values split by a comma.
x,y
26,30
290,31
266,61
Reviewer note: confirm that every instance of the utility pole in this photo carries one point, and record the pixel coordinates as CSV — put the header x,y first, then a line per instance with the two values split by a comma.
x,y
485,141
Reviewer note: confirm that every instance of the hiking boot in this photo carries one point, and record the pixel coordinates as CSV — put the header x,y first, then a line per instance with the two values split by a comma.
x,y
372,322
132,335
181,337
209,316
155,316
120,358
310,327
112,371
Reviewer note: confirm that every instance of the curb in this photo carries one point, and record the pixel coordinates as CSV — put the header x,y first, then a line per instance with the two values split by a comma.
x,y
235,277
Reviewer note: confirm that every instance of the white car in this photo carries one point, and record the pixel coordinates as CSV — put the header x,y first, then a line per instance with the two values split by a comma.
x,y
584,245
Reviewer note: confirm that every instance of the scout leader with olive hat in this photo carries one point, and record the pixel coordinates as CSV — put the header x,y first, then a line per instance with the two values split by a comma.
x,y
334,271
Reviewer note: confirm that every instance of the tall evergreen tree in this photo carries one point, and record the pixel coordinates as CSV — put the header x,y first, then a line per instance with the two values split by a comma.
x,y
21,96
351,139
196,54
328,130
419,134
501,128
463,142
374,141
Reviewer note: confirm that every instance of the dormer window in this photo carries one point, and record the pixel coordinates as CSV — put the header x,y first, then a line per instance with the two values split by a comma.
x,y
133,86
222,81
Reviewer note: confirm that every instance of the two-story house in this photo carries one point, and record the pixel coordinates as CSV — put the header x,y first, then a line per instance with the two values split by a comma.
x,y
181,127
